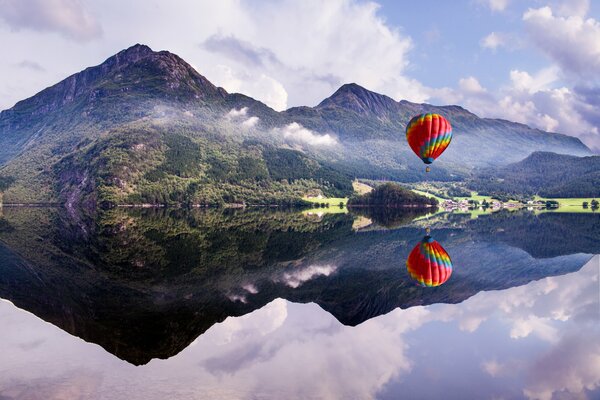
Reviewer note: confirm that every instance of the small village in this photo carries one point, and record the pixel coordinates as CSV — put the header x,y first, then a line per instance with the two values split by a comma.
x,y
494,205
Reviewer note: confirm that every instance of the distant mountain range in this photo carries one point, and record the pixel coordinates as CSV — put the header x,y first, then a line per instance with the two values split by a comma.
x,y
546,174
145,126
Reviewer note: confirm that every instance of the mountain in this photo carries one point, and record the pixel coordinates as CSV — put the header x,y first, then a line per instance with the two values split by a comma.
x,y
543,173
128,79
145,284
144,126
364,119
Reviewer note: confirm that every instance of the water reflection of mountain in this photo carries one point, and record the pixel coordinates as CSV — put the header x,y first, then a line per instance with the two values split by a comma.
x,y
145,284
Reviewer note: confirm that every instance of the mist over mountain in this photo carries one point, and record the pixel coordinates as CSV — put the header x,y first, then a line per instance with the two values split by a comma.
x,y
144,126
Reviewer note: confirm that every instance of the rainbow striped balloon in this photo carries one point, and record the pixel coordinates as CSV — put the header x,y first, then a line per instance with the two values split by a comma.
x,y
428,263
428,135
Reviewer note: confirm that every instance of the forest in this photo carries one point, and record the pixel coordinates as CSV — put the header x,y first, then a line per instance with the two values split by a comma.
x,y
391,195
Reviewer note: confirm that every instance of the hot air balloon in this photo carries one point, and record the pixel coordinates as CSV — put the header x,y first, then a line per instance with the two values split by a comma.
x,y
428,136
428,263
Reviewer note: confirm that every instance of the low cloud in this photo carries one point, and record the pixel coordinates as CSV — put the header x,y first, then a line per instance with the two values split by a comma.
x,y
66,17
295,132
250,122
241,116
298,276
234,113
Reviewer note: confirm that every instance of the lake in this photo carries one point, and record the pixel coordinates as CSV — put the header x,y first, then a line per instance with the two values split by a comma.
x,y
270,304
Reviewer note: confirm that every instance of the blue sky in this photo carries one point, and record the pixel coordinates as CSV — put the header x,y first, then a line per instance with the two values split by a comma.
x,y
535,62
448,37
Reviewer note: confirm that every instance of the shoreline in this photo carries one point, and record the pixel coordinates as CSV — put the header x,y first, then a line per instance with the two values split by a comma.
x,y
391,206
146,205
15,205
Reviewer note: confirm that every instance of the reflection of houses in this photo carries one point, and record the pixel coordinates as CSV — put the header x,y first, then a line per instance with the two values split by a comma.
x,y
315,215
451,205
465,205
512,205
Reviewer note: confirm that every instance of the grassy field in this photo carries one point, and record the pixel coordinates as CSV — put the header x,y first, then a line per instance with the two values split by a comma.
x,y
426,194
334,202
569,205
327,210
331,201
571,202
475,196
361,188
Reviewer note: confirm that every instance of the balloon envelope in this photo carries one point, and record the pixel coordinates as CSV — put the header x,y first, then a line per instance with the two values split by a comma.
x,y
428,263
428,135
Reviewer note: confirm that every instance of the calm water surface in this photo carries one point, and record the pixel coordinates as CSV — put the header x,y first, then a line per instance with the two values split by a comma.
x,y
175,304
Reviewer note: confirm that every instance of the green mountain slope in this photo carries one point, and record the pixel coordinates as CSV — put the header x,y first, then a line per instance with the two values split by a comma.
x,y
543,173
147,164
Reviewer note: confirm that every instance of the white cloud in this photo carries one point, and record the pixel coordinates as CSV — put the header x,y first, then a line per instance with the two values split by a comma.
x,y
234,113
542,80
66,17
470,85
492,41
250,122
569,8
496,5
260,86
572,366
300,275
531,99
542,327
508,40
295,132
352,44
250,288
573,42
262,321
492,367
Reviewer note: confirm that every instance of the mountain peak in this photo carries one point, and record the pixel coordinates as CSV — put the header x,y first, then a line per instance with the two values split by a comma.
x,y
136,51
137,70
138,47
123,58
360,100
352,88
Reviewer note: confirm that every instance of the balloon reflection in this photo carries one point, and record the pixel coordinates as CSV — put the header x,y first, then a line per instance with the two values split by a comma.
x,y
428,263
